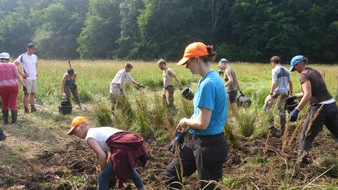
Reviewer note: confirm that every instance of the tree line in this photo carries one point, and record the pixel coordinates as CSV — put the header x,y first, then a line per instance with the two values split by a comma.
x,y
239,30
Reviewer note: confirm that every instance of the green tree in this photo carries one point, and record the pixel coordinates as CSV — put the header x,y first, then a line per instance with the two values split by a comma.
x,y
102,29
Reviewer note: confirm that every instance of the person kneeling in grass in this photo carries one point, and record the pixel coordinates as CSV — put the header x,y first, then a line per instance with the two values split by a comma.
x,y
125,150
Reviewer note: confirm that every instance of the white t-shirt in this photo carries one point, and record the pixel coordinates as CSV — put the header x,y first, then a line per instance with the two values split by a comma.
x,y
29,64
101,134
122,78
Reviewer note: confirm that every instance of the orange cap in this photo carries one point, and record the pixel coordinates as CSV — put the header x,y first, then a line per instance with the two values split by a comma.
x,y
76,121
195,49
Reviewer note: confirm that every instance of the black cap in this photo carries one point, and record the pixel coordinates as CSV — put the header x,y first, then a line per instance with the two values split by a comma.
x,y
31,45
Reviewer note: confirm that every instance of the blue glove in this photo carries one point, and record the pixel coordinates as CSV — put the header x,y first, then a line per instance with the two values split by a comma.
x,y
294,115
290,99
178,141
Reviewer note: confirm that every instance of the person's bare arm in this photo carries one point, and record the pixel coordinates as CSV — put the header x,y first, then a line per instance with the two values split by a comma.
x,y
18,76
172,73
306,95
290,87
101,155
21,73
199,123
63,83
231,80
273,87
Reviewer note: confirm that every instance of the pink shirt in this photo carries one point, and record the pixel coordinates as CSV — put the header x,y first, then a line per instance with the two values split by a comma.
x,y
7,74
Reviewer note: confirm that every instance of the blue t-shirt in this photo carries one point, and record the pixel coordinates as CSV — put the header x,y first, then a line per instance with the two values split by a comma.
x,y
211,94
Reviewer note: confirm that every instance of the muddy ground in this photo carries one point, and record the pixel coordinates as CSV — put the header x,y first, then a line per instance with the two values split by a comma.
x,y
254,165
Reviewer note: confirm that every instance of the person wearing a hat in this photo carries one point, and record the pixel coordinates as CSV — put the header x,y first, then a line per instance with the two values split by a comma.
x,y
314,92
280,89
118,84
206,148
125,151
9,76
231,84
29,63
168,87
69,86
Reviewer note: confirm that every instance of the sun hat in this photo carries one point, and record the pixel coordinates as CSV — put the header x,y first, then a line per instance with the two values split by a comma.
x,y
222,61
31,45
5,55
294,61
76,121
195,49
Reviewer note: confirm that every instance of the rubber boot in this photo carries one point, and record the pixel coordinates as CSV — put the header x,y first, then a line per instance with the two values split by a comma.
x,y
2,135
5,114
14,116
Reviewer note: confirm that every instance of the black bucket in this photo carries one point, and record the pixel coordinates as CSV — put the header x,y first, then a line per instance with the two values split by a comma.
x,y
243,101
66,107
290,106
187,94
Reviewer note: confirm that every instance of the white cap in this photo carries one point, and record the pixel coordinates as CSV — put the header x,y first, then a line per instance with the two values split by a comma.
x,y
5,55
222,61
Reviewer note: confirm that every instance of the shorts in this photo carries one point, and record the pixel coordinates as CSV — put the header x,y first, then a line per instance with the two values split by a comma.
x,y
31,86
232,96
113,98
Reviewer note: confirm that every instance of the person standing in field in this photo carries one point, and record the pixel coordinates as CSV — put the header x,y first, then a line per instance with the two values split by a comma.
x,y
323,109
69,86
206,148
29,63
168,87
232,84
9,77
125,151
118,84
280,89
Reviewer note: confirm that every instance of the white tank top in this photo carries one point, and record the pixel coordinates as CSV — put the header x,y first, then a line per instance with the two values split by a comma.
x,y
101,134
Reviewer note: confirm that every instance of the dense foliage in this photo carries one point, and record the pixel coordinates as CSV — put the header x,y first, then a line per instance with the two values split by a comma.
x,y
240,30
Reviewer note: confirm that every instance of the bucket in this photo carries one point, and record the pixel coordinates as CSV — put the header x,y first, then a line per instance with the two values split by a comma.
x,y
65,108
290,106
243,101
187,94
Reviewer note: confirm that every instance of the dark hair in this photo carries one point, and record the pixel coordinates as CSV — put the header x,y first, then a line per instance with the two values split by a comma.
x,y
70,71
211,56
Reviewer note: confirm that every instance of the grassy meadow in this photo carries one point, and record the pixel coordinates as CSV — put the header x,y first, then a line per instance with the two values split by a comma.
x,y
143,112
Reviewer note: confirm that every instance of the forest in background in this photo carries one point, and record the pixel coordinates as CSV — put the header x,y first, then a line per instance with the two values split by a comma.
x,y
240,30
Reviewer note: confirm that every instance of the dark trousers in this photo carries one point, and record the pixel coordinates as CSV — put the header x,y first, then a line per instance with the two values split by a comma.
x,y
72,89
206,154
328,116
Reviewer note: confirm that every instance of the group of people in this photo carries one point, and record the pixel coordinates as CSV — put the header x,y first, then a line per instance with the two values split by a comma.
x,y
205,149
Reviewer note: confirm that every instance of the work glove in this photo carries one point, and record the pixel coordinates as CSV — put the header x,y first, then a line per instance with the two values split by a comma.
x,y
294,115
24,89
181,87
121,92
290,99
177,142
141,86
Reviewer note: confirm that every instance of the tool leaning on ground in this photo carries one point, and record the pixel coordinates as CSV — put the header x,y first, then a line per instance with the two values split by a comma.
x,y
177,142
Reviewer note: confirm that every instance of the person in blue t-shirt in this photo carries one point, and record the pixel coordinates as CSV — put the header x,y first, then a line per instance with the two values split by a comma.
x,y
206,148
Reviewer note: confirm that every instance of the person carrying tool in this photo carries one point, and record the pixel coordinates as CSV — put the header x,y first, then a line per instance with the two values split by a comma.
x,y
314,91
168,87
69,86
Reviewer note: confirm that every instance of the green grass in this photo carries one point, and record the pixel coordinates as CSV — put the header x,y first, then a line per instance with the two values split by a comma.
x,y
143,112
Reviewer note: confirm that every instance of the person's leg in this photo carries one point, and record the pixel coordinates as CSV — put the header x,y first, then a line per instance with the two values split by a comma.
x,y
32,96
67,91
282,114
2,135
173,177
112,101
332,119
12,103
76,96
26,95
232,100
210,153
268,106
105,176
136,178
4,98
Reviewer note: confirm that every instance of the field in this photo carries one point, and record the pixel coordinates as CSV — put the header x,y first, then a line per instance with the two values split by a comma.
x,y
39,155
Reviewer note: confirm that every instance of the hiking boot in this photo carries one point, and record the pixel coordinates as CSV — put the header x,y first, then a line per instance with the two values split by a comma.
x,y
5,115
33,109
303,158
26,110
